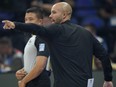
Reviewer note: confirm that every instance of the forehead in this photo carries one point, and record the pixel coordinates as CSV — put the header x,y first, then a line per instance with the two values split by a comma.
x,y
31,14
57,7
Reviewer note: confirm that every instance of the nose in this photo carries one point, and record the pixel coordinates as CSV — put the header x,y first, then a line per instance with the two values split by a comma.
x,y
50,16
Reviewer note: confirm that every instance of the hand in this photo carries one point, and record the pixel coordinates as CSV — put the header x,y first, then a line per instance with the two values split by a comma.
x,y
20,74
108,84
21,84
8,24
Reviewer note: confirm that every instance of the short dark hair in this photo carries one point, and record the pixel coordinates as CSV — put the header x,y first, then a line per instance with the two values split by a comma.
x,y
38,11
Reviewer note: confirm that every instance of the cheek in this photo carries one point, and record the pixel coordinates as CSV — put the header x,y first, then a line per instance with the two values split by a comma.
x,y
58,16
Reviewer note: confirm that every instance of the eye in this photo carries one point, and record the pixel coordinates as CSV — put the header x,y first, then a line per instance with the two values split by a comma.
x,y
53,12
30,19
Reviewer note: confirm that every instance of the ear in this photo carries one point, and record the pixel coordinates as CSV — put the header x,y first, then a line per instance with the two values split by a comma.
x,y
40,21
64,15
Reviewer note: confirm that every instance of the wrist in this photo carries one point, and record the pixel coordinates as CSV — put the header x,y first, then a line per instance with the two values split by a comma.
x,y
23,81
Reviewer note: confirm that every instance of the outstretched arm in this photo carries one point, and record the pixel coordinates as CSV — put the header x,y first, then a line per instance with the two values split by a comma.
x,y
31,28
48,31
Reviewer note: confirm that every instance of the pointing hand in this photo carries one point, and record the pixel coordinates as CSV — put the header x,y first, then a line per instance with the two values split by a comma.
x,y
8,24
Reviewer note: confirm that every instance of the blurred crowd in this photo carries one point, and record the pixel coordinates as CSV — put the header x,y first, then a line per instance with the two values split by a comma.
x,y
97,16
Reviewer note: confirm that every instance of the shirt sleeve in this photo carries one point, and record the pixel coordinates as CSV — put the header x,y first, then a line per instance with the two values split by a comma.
x,y
102,55
48,31
42,48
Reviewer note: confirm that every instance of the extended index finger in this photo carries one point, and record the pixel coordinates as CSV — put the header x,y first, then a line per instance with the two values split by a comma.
x,y
4,21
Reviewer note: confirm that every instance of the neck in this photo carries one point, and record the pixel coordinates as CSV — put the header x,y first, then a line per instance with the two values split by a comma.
x,y
65,21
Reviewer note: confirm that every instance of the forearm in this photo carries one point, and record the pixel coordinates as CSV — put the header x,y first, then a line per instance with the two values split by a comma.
x,y
107,68
30,28
48,31
35,72
37,69
106,64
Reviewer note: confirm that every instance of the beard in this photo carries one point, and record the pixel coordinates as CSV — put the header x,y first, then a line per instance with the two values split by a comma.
x,y
58,20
